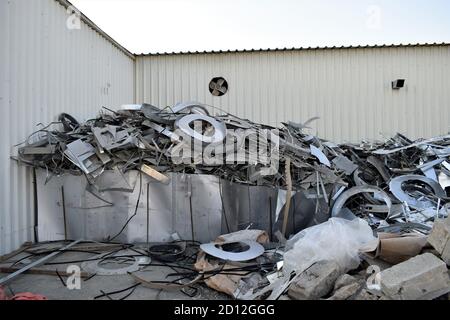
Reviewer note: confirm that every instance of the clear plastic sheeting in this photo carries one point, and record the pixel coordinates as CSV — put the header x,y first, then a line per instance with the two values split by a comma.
x,y
337,239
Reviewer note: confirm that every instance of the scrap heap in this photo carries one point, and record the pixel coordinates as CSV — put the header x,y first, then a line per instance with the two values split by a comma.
x,y
385,201
398,181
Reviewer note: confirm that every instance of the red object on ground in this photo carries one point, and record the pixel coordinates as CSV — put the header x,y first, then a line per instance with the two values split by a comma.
x,y
3,295
28,296
21,296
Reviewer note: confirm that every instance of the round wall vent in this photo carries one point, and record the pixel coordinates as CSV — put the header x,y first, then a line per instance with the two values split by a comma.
x,y
218,86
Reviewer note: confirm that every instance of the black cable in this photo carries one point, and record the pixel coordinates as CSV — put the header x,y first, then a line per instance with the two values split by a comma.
x,y
105,295
60,278
147,225
90,277
26,257
69,123
116,292
191,212
192,257
35,208
124,247
138,252
31,254
135,210
231,271
129,294
11,291
223,206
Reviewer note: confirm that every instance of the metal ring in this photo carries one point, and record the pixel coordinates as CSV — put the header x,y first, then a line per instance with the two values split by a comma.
x,y
340,202
396,187
220,130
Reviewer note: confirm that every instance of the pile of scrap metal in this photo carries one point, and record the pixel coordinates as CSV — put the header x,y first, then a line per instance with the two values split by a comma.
x,y
383,201
143,135
399,185
402,184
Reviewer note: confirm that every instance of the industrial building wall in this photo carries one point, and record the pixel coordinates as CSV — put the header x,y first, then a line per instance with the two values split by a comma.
x,y
46,69
349,89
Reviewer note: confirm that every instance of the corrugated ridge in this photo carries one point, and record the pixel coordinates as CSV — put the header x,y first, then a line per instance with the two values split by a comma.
x,y
376,46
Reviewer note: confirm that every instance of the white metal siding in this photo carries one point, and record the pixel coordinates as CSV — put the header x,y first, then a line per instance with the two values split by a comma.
x,y
47,69
350,89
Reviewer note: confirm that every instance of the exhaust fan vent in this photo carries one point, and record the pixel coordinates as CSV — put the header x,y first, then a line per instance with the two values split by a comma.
x,y
218,87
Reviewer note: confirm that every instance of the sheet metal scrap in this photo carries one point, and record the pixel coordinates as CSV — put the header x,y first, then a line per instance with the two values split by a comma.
x,y
407,172
138,137
144,136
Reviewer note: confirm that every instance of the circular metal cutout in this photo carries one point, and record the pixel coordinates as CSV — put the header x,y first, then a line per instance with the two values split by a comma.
x,y
220,130
340,202
399,188
249,250
218,86
97,266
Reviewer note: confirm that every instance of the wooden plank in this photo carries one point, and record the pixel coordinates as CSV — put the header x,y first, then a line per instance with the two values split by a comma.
x,y
24,247
155,174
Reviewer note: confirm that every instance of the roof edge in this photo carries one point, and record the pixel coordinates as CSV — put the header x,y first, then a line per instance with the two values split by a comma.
x,y
295,49
66,4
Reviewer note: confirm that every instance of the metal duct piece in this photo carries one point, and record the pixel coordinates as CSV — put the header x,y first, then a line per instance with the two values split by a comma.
x,y
340,202
220,130
251,250
419,201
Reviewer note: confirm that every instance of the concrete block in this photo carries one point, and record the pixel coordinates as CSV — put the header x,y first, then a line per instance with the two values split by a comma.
x,y
344,280
365,295
423,277
347,291
445,255
315,282
439,238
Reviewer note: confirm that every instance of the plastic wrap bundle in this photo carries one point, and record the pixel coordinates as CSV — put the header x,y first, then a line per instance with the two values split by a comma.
x,y
338,240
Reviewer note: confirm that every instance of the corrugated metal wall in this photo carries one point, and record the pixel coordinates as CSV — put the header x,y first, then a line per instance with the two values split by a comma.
x,y
350,89
47,69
